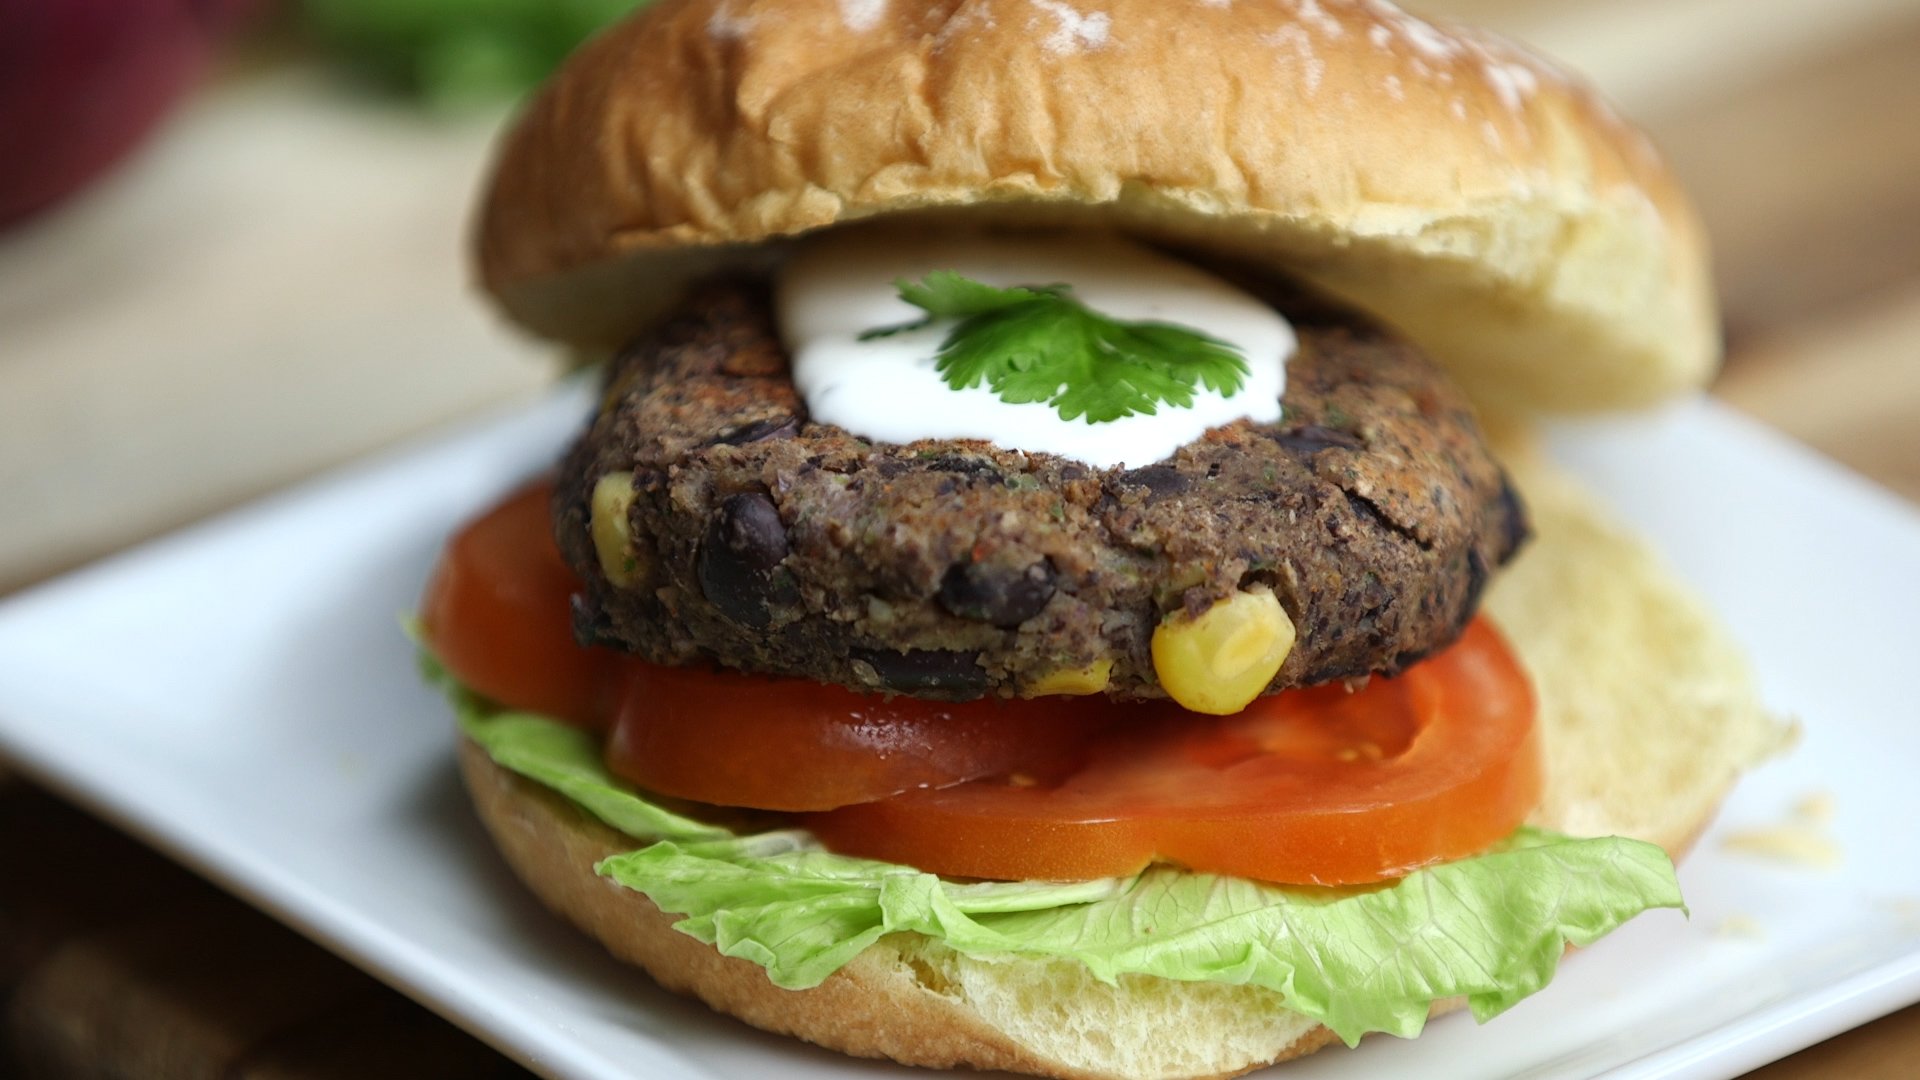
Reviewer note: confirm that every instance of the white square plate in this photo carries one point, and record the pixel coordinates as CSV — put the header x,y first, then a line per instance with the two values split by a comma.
x,y
240,694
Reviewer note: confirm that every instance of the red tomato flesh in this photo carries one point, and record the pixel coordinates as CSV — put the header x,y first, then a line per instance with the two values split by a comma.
x,y
788,744
1320,786
498,613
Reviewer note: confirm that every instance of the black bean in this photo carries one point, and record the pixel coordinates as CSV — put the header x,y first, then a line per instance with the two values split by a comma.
x,y
1514,527
1310,440
749,527
1478,574
773,427
1161,480
1003,595
744,542
966,466
940,671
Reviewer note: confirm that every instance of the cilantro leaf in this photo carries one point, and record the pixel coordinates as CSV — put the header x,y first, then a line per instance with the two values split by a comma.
x,y
1040,344
945,294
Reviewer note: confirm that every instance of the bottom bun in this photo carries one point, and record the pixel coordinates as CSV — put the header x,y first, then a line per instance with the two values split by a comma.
x,y
907,997
1647,711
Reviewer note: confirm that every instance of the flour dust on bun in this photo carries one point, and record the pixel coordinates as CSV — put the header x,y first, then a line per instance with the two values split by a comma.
x,y
1462,189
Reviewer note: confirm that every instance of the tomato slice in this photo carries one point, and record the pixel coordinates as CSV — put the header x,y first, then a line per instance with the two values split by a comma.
x,y
1317,787
733,739
497,612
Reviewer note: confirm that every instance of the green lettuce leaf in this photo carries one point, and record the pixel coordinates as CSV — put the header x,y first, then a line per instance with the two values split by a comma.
x,y
567,760
1491,928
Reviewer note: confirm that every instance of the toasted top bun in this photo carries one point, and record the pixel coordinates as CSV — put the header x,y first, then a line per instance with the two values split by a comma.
x,y
1496,211
1647,713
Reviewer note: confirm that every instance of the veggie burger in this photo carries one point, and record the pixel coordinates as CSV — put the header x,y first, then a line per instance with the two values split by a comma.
x,y
1038,590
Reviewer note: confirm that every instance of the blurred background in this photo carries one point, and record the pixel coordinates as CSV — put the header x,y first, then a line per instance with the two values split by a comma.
x,y
231,256
205,202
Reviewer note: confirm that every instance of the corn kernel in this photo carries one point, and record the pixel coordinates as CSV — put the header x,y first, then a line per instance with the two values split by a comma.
x,y
1073,682
612,535
1220,661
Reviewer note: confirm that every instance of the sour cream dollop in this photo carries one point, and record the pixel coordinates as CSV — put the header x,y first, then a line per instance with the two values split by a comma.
x,y
841,285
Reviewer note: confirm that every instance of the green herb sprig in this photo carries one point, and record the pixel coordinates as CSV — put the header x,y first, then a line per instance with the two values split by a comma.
x,y
1039,343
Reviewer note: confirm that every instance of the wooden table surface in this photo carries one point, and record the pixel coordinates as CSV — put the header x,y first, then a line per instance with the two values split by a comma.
x,y
274,288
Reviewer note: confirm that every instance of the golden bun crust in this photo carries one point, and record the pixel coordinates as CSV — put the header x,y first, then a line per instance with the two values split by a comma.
x,y
1647,712
1495,210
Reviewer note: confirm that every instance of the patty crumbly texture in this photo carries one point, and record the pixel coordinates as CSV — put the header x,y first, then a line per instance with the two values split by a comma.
x,y
766,542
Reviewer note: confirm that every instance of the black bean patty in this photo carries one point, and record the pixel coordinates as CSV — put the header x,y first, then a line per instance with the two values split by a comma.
x,y
949,568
